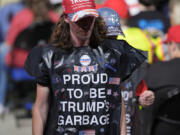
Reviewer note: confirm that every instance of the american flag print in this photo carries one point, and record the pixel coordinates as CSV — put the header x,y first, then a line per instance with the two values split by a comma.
x,y
85,68
114,80
87,132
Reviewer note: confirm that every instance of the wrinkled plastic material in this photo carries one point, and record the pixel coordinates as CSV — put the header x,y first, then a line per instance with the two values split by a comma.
x,y
128,89
85,85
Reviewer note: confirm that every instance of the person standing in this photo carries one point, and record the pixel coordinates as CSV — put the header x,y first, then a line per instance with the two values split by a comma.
x,y
133,90
174,9
30,14
163,78
79,74
7,12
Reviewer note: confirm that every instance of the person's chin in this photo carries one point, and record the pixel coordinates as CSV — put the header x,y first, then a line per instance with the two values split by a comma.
x,y
84,36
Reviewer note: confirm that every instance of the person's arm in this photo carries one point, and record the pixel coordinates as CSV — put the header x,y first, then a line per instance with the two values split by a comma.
x,y
40,110
123,119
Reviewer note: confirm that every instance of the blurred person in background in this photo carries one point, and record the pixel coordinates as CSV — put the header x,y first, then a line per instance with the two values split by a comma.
x,y
139,40
133,6
174,12
30,14
149,18
155,25
7,12
56,4
134,87
162,6
163,79
120,6
5,2
35,11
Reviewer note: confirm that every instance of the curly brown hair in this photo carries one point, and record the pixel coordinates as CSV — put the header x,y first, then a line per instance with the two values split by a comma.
x,y
40,9
61,34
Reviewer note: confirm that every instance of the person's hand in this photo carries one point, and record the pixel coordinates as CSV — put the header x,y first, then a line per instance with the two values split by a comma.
x,y
146,98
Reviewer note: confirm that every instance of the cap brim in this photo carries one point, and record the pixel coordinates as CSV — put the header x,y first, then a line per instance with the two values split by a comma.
x,y
74,17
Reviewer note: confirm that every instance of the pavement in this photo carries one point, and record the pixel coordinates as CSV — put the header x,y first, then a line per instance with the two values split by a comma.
x,y
9,125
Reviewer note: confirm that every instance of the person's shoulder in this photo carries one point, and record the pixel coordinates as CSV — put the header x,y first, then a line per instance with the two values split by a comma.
x,y
172,63
42,49
39,57
175,62
119,45
158,67
158,64
114,43
38,54
23,15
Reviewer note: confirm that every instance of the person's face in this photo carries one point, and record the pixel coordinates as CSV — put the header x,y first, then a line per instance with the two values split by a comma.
x,y
171,46
82,29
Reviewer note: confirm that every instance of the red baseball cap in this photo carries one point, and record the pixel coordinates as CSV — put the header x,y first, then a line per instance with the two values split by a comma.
x,y
77,9
173,34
